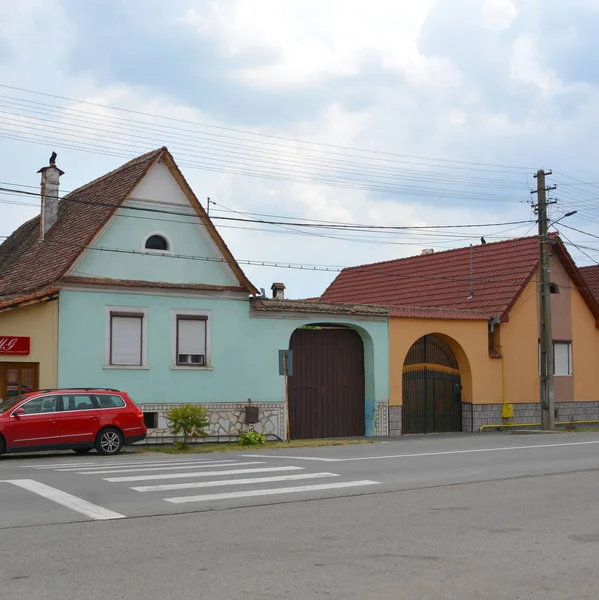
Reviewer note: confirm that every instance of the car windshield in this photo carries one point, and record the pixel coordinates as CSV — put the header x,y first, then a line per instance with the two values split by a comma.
x,y
10,403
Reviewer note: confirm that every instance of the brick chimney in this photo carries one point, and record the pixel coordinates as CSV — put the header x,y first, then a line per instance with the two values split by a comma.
x,y
278,290
49,190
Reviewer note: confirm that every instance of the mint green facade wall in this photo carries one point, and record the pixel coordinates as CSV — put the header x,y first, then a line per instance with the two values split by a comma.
x,y
244,351
129,228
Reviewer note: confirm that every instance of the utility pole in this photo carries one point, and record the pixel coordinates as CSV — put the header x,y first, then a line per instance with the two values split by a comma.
x,y
547,390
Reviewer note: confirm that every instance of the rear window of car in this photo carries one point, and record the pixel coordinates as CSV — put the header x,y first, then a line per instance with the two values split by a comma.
x,y
110,401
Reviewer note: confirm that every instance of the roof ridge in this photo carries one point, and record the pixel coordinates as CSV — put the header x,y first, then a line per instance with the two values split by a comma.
x,y
132,163
442,252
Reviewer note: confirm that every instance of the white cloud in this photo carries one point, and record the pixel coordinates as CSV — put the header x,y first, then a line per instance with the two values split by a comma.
x,y
408,103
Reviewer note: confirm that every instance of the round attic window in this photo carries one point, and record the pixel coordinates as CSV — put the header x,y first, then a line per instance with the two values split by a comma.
x,y
157,242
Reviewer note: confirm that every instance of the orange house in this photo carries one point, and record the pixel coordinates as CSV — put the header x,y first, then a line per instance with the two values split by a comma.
x,y
464,335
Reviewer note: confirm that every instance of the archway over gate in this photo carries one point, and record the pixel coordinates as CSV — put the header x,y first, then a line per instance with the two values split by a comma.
x,y
327,388
432,386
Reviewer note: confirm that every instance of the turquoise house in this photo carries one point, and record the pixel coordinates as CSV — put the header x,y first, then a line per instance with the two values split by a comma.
x,y
151,301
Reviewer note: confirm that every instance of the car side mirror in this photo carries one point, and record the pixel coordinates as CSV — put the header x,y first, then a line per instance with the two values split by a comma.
x,y
19,412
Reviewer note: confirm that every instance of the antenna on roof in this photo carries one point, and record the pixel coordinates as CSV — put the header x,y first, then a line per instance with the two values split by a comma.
x,y
471,273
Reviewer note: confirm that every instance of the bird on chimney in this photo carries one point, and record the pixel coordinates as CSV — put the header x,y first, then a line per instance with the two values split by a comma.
x,y
483,241
53,158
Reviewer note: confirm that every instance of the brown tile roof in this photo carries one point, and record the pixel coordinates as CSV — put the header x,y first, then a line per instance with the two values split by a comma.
x,y
442,280
20,301
436,313
301,306
591,276
198,287
28,264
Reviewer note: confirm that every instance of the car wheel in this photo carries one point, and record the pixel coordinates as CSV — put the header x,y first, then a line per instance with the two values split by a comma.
x,y
2,445
109,441
81,450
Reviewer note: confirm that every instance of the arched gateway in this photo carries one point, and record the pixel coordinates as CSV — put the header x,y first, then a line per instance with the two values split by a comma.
x,y
432,389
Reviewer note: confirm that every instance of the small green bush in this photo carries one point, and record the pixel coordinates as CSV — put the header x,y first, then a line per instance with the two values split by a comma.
x,y
251,438
188,420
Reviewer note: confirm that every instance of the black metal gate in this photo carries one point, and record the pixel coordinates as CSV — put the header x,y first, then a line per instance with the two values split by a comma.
x,y
326,390
432,390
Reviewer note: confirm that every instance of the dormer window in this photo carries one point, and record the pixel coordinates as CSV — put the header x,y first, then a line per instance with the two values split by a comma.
x,y
157,243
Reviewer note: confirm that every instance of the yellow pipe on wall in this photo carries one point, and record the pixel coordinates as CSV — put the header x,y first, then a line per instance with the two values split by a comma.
x,y
482,427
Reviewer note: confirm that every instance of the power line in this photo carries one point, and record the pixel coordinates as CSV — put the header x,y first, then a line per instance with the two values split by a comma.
x,y
263,135
217,167
210,144
349,227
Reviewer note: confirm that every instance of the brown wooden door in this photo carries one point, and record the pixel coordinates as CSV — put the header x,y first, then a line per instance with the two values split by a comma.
x,y
18,378
326,390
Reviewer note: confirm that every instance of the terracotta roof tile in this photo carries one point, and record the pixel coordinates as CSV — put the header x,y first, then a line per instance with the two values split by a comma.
x,y
301,306
19,301
149,284
591,276
443,279
28,264
436,313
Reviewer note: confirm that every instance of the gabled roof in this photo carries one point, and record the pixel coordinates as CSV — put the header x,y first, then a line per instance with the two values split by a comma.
x,y
28,264
485,280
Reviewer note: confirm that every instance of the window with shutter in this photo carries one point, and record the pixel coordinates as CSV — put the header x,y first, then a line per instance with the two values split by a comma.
x,y
562,358
126,339
191,341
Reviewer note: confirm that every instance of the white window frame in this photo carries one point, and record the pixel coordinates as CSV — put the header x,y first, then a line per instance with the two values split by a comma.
x,y
569,373
570,366
169,242
207,316
123,310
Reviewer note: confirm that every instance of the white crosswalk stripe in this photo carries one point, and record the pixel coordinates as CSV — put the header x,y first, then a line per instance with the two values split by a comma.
x,y
270,492
227,482
201,465
208,473
200,474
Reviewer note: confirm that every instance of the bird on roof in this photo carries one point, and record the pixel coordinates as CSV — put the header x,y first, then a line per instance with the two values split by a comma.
x,y
53,158
483,241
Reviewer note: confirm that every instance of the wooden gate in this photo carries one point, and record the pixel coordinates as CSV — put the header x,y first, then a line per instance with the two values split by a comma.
x,y
326,390
432,390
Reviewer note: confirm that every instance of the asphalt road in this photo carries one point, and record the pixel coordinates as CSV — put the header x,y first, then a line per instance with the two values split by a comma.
x,y
438,517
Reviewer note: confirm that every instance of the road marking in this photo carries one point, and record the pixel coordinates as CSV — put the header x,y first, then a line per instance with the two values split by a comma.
x,y
224,463
68,500
272,491
55,465
202,474
423,454
247,481
134,464
291,457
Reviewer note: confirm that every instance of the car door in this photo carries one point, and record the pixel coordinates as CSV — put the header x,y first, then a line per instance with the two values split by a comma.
x,y
35,424
79,419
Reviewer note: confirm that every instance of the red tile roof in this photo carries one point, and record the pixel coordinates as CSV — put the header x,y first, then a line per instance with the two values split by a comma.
x,y
28,264
20,301
443,280
436,313
198,287
591,276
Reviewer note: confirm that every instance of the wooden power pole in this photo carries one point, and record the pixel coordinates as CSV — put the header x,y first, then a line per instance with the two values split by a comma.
x,y
546,337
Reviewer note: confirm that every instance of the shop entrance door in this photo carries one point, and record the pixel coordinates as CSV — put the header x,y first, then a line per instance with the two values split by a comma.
x,y
17,378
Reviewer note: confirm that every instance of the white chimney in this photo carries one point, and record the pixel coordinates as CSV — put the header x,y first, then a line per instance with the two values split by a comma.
x,y
427,251
278,290
49,190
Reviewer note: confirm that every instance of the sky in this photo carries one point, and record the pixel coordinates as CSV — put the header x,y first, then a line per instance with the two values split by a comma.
x,y
387,112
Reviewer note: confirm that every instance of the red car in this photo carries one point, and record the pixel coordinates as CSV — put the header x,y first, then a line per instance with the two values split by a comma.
x,y
76,419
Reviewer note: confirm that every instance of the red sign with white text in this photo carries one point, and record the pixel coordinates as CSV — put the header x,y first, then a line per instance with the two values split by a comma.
x,y
14,345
